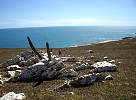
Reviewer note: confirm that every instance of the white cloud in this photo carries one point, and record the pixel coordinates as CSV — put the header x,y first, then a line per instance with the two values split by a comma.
x,y
61,22
42,23
76,22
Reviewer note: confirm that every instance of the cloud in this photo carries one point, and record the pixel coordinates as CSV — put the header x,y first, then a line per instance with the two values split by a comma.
x,y
76,22
61,22
42,22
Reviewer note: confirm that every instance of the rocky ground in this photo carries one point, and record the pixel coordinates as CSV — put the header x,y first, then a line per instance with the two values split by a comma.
x,y
121,87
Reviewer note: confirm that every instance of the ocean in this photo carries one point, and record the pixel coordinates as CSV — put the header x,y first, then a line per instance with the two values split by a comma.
x,y
61,37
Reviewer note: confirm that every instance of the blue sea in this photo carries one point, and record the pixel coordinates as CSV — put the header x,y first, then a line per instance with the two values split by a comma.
x,y
60,37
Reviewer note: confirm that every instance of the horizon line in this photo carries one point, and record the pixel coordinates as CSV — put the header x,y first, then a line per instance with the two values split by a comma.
x,y
69,26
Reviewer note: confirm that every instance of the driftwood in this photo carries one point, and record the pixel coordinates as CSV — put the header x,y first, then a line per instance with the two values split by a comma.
x,y
33,48
48,51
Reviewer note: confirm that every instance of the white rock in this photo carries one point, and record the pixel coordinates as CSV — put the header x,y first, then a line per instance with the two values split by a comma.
x,y
89,51
119,62
12,73
13,67
0,77
37,64
104,67
57,58
82,67
112,61
108,77
1,82
72,93
105,57
13,96
19,71
84,80
68,73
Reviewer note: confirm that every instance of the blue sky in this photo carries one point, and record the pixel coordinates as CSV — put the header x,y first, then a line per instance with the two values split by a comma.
x,y
40,13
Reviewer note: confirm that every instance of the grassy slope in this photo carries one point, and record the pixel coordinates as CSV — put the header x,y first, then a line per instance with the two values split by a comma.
x,y
123,86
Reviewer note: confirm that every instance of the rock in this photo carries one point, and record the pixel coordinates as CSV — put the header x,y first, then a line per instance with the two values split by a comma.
x,y
119,62
13,67
13,96
92,57
105,57
78,62
72,93
89,51
108,77
82,67
0,77
11,74
67,73
112,61
22,63
26,54
84,80
63,86
13,61
104,67
41,71
1,82
32,61
70,59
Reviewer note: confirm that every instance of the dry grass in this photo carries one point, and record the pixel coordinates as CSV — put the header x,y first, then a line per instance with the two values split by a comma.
x,y
122,87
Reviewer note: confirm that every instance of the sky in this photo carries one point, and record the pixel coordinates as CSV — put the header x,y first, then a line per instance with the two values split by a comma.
x,y
43,13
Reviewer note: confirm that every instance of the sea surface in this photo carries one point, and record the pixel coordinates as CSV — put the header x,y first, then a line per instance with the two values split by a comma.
x,y
60,37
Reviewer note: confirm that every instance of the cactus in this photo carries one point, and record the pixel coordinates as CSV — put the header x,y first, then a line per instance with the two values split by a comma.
x,y
48,51
33,48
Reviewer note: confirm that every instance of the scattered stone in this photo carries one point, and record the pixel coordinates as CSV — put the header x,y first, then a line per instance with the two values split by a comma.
x,y
72,93
68,73
13,96
13,61
26,54
82,67
70,59
88,60
119,62
92,57
90,51
104,67
13,67
105,57
108,77
1,82
112,61
78,63
11,74
84,80
0,77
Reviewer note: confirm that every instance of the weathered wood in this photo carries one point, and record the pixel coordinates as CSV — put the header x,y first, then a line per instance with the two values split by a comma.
x,y
48,51
33,48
